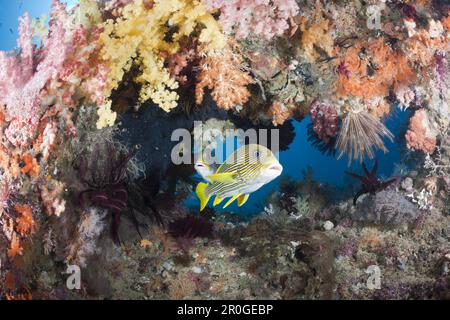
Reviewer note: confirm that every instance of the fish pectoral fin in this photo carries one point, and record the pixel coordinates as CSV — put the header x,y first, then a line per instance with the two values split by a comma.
x,y
224,177
201,193
242,199
217,200
231,200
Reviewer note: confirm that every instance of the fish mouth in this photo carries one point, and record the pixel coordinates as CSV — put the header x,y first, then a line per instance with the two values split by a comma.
x,y
276,167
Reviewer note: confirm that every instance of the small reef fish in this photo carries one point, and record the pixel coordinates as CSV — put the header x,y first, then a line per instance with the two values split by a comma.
x,y
243,172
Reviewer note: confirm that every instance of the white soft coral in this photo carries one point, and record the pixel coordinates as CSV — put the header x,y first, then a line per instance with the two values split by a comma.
x,y
264,18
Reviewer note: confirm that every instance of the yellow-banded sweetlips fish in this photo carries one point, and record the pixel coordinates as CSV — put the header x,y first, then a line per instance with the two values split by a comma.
x,y
243,172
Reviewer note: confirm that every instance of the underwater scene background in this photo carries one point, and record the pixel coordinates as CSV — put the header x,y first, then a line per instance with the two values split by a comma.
x,y
92,92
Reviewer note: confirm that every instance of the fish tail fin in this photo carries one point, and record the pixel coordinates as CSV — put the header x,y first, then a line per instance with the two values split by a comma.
x,y
201,194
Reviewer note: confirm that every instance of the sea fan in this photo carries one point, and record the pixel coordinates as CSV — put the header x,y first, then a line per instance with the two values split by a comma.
x,y
360,132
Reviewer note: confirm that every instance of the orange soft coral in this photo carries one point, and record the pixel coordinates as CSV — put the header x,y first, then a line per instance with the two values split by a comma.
x,y
31,166
16,247
316,34
9,162
177,63
446,23
421,47
378,107
279,113
420,136
25,222
371,68
222,73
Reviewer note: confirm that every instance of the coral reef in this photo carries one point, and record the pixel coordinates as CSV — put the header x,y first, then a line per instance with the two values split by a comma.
x,y
106,181
89,107
185,230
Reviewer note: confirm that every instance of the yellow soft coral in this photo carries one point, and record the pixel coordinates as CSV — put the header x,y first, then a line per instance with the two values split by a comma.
x,y
87,13
142,32
106,117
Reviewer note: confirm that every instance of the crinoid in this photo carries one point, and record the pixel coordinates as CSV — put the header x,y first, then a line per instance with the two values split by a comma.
x,y
104,172
360,134
370,183
105,175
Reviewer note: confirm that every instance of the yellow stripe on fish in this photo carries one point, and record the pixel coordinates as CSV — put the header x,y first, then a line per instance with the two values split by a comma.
x,y
243,172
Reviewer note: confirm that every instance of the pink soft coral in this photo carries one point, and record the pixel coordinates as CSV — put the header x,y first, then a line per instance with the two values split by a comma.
x,y
266,18
20,85
420,136
83,70
23,76
325,121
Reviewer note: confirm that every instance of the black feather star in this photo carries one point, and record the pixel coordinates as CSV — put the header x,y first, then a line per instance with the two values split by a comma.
x,y
104,173
370,183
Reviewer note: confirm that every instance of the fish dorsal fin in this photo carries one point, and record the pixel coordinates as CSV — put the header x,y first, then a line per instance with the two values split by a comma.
x,y
231,200
224,177
242,199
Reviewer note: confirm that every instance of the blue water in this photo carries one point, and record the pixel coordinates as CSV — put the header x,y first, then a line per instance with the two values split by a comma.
x,y
11,10
326,168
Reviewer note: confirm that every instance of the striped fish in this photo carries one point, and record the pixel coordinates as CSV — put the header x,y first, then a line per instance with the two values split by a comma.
x,y
245,171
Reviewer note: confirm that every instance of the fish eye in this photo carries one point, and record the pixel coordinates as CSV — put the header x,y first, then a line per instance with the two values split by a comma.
x,y
257,154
